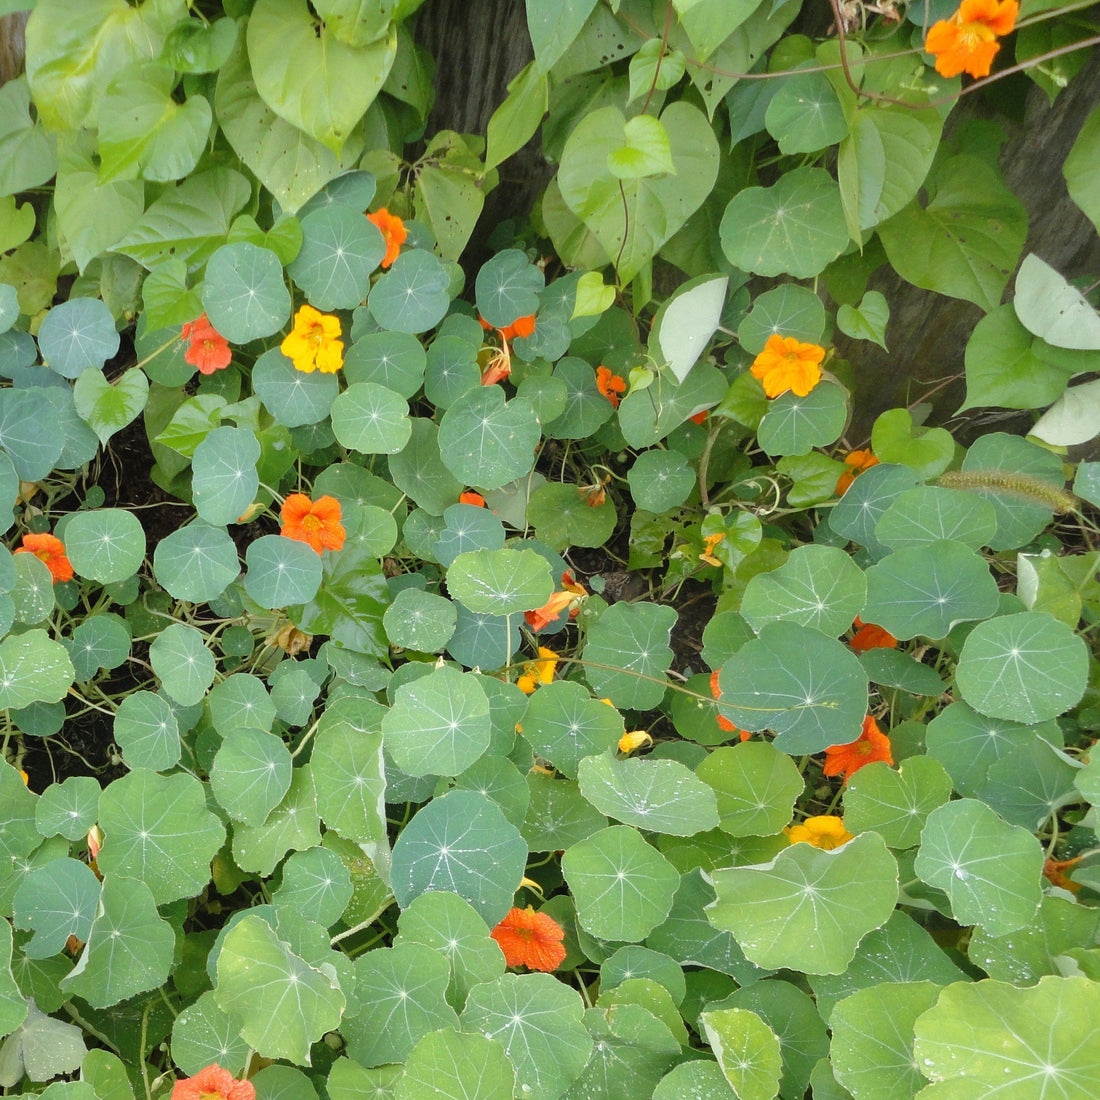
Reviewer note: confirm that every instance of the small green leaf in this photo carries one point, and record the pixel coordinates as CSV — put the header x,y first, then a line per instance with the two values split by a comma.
x,y
746,1049
108,407
244,293
867,321
77,335
180,658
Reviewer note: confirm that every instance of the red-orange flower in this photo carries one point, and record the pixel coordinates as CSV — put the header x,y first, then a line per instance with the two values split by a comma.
x,y
610,385
49,550
558,602
724,723
530,939
788,364
316,523
967,42
699,417
213,1083
858,461
208,349
521,326
470,497
871,745
393,231
869,636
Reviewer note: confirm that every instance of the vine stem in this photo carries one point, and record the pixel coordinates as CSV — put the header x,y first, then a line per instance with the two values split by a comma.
x,y
660,56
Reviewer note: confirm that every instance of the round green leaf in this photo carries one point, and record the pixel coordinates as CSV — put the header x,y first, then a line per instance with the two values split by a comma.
x,y
1032,782
293,397
989,869
660,480
660,796
244,293
315,882
68,808
746,1049
251,774
159,830
928,588
857,512
30,432
500,582
371,419
77,335
413,296
419,470
203,1033
564,724
420,620
100,641
808,908
755,785
486,441
628,650
1028,667
225,479
872,1047
787,310
929,514
240,700
283,1004
460,1067
795,227
817,586
185,666
349,774
32,594
483,641
281,571
33,668
439,724
105,545
395,360
538,1019
699,1079
1012,1042
562,517
460,842
805,114
340,249
196,563
895,804
147,732
56,900
557,814
794,425
623,886
507,288
585,407
468,528
451,370
810,689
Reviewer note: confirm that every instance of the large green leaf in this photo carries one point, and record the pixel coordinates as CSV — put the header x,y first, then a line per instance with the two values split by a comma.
x,y
929,514
158,830
1080,169
633,217
196,562
893,803
251,774
340,249
33,669
349,775
457,1067
203,1033
1017,1044
808,908
966,240
627,652
56,900
27,150
244,294
756,786
989,869
283,1004
308,76
225,479
500,582
794,425
180,658
486,441
554,26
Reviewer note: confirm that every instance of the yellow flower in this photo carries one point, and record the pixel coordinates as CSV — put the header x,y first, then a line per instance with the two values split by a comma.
x,y
314,343
826,832
635,740
788,364
538,672
709,543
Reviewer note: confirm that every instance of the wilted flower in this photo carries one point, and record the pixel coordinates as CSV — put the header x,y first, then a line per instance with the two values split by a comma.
x,y
558,602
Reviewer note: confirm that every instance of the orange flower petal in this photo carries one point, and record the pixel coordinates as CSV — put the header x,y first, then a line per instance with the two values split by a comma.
x,y
213,1083
530,939
393,232
872,745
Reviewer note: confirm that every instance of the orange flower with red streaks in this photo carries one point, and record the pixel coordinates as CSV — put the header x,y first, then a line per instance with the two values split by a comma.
x,y
610,385
967,42
393,233
530,939
316,523
208,349
49,550
213,1083
724,723
788,364
558,602
869,636
872,745
858,461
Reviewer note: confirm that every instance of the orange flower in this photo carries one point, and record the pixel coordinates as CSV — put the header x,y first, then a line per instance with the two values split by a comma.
x,y
521,326
858,461
393,231
699,417
1054,870
709,543
49,550
610,385
557,603
314,343
316,523
967,42
724,723
788,364
538,672
824,831
871,745
530,939
470,497
213,1083
208,350
868,636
